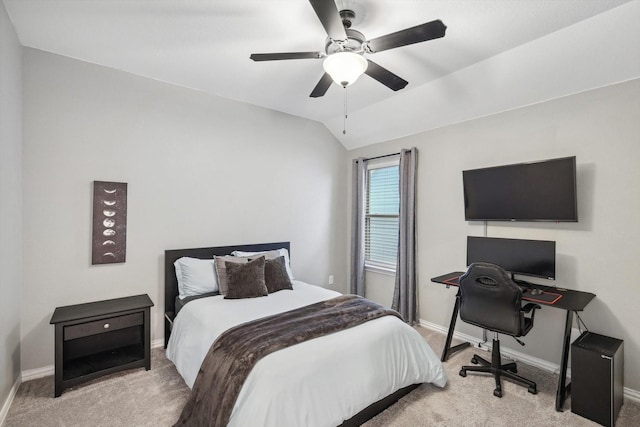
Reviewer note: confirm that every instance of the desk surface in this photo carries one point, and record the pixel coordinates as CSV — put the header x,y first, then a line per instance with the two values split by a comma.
x,y
571,299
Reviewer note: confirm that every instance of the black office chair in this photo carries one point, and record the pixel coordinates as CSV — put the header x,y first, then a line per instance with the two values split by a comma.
x,y
491,300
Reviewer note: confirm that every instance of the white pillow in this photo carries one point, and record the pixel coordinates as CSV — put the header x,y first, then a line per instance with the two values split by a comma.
x,y
195,276
280,252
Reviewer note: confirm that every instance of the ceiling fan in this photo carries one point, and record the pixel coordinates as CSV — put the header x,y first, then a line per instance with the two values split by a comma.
x,y
345,47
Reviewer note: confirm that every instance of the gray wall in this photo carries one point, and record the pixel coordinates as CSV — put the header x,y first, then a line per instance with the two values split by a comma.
x,y
598,254
201,171
10,200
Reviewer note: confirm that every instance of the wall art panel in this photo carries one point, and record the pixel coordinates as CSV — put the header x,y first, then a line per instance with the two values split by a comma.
x,y
109,222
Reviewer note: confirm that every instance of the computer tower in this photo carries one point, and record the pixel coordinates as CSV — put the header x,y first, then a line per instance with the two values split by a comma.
x,y
597,363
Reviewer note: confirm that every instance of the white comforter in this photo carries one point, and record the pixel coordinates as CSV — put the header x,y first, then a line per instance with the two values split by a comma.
x,y
320,382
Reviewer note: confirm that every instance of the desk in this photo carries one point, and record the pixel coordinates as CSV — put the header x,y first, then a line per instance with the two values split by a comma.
x,y
571,301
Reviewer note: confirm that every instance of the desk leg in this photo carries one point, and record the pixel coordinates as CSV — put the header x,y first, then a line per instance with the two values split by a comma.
x,y
563,387
448,350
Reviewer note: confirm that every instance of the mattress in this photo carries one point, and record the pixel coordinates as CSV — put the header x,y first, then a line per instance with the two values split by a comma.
x,y
320,382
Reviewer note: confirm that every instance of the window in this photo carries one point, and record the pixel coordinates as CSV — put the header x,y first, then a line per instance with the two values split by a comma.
x,y
381,216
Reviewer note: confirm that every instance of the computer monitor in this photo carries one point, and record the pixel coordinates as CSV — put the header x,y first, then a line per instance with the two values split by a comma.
x,y
517,256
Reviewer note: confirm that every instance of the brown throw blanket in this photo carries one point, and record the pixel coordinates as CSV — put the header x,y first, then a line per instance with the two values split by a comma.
x,y
233,355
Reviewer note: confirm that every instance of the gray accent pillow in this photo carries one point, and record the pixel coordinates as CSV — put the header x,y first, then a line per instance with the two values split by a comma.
x,y
246,280
275,275
221,269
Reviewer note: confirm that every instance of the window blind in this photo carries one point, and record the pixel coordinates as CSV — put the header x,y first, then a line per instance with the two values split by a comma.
x,y
381,226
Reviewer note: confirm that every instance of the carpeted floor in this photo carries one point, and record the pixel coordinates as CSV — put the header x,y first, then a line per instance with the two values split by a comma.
x,y
141,398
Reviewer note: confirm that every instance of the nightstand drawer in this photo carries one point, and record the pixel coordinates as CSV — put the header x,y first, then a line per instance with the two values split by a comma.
x,y
103,325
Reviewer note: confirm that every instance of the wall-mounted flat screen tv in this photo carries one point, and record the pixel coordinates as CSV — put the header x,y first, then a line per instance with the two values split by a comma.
x,y
536,191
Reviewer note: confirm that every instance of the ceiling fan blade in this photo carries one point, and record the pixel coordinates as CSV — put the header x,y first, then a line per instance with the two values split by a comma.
x,y
385,76
419,33
286,55
322,86
329,17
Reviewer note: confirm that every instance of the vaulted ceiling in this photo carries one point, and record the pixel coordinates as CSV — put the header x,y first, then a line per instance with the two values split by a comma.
x,y
496,55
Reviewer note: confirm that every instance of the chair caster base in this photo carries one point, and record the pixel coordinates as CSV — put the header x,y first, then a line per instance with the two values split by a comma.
x,y
533,390
463,373
497,392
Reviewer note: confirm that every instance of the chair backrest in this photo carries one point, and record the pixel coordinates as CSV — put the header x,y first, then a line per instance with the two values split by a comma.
x,y
490,299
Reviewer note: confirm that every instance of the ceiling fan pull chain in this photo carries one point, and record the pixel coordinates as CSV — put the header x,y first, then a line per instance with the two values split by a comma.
x,y
344,119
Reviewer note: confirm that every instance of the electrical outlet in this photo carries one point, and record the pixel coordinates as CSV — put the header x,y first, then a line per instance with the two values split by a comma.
x,y
331,279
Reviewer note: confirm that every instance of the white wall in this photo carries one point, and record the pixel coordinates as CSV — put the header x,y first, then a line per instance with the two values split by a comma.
x,y
201,171
598,254
10,200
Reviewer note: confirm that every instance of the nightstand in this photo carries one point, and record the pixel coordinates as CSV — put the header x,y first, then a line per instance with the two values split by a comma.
x,y
99,338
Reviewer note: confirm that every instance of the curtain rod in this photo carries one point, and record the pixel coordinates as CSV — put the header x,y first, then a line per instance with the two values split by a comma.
x,y
381,157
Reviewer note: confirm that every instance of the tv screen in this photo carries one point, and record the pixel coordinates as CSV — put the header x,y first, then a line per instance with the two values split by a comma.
x,y
538,191
518,256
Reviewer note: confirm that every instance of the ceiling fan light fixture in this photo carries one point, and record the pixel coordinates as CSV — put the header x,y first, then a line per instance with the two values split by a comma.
x,y
345,67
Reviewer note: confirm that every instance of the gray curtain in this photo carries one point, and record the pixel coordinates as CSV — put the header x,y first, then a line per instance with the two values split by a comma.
x,y
358,197
405,293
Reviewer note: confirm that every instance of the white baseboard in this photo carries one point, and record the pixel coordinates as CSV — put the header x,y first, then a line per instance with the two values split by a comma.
x,y
7,403
32,374
630,394
512,354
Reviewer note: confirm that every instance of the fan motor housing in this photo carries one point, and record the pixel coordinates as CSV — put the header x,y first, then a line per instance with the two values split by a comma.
x,y
354,42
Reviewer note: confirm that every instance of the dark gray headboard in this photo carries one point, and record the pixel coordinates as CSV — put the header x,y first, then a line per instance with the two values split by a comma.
x,y
170,256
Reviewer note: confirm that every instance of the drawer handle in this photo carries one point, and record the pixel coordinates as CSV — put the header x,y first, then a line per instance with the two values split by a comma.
x,y
106,326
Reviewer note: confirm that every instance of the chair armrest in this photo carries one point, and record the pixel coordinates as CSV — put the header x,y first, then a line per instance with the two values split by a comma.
x,y
530,306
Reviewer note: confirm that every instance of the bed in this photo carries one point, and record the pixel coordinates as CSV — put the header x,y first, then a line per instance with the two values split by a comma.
x,y
344,378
